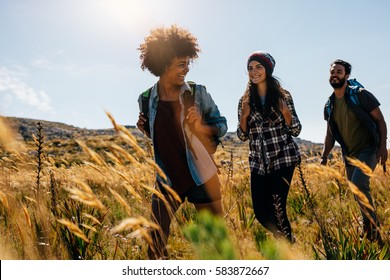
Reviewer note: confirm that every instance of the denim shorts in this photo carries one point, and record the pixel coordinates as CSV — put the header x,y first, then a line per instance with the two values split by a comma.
x,y
205,193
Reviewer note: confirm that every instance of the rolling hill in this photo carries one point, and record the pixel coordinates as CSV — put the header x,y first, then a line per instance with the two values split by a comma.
x,y
25,128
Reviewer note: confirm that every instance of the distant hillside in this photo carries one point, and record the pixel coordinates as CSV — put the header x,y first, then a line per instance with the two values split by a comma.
x,y
25,128
53,130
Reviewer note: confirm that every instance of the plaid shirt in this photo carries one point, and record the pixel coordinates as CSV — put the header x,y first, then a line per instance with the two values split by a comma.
x,y
271,146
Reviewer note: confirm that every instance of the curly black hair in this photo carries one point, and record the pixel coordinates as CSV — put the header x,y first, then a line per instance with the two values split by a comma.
x,y
347,66
163,45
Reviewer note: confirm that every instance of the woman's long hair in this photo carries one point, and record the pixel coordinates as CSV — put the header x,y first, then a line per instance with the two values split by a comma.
x,y
274,94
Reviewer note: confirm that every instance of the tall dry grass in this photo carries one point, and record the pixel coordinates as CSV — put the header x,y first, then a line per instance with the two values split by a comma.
x,y
95,204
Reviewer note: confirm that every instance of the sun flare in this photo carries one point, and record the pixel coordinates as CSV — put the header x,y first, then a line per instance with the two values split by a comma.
x,y
129,14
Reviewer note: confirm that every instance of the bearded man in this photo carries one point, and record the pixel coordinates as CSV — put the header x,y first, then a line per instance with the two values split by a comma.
x,y
355,121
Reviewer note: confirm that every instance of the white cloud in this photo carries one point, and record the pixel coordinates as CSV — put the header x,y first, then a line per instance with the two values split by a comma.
x,y
48,65
63,68
10,83
42,63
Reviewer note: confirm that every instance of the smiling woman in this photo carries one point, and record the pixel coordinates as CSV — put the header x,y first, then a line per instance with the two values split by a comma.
x,y
176,128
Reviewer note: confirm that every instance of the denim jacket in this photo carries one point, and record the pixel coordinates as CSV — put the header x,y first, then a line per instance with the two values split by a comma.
x,y
201,164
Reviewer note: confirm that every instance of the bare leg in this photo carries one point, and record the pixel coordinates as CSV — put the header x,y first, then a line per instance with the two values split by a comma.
x,y
161,215
214,207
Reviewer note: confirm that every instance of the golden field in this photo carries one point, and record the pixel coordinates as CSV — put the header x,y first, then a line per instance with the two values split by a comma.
x,y
88,197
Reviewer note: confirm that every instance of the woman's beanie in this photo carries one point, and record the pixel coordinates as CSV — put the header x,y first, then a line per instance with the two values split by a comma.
x,y
265,59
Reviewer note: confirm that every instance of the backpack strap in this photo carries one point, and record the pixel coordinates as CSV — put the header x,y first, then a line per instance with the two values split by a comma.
x,y
189,101
327,109
145,101
145,108
189,96
353,83
354,87
192,85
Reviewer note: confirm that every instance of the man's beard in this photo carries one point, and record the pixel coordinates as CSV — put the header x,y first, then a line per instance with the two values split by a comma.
x,y
338,84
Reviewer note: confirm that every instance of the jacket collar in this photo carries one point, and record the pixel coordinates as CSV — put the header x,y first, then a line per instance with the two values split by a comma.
x,y
154,92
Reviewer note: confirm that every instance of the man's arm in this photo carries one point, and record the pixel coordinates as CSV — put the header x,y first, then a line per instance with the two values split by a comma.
x,y
328,146
377,116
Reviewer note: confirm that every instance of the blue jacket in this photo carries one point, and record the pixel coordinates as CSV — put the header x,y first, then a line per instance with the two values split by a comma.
x,y
201,165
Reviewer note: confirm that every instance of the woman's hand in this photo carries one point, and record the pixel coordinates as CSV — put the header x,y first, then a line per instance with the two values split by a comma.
x,y
195,118
141,123
285,111
246,109
199,126
282,105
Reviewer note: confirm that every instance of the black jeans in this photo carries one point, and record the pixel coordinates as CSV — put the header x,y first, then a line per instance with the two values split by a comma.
x,y
269,199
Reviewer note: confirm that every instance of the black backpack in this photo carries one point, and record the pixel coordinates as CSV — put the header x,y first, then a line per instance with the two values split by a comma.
x,y
210,143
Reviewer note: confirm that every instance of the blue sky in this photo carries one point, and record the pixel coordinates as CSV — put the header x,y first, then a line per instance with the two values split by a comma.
x,y
71,60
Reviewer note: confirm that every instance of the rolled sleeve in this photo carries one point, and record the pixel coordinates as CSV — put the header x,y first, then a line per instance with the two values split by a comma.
x,y
296,126
240,133
211,112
